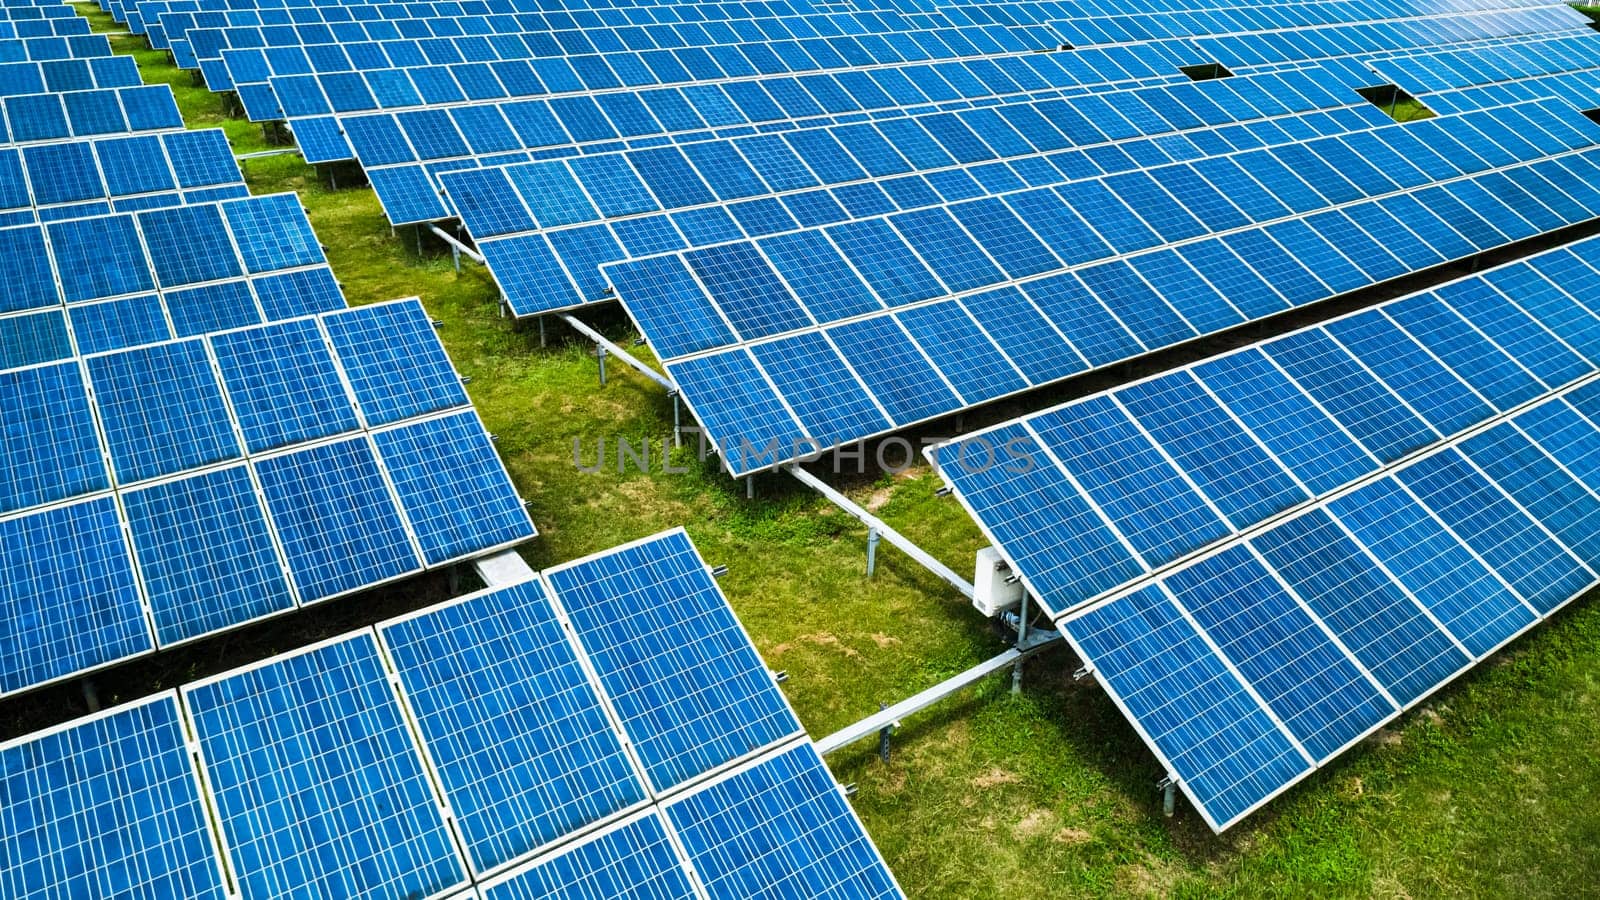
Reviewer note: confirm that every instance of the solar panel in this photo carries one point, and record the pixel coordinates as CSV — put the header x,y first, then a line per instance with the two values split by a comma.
x,y
167,390
108,805
303,807
683,677
69,588
206,554
634,859
454,493
783,814
518,735
49,444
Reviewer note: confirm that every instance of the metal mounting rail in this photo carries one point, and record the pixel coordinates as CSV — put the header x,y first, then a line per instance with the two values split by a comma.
x,y
888,718
262,154
612,349
456,245
876,526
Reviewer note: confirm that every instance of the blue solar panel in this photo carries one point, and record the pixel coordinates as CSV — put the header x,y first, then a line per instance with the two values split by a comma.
x,y
205,554
1307,681
99,258
453,490
394,362
32,339
682,675
299,293
336,518
67,594
1227,750
635,859
162,410
48,449
1340,614
1445,577
108,806
1488,521
1370,614
117,324
211,307
273,233
779,828
516,732
317,783
283,384
189,245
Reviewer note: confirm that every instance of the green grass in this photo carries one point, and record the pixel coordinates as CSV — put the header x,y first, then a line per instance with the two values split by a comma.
x,y
1487,790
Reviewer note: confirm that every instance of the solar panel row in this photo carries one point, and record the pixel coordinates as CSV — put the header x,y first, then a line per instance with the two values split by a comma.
x,y
528,749
846,331
77,179
254,471
1319,530
638,117
68,75
103,283
241,68
1179,461
29,118
175,465
663,199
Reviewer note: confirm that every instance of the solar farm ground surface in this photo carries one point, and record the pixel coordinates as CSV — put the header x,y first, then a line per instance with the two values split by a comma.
x,y
1486,790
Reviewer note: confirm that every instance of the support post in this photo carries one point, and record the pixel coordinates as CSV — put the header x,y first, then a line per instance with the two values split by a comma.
x,y
883,736
600,354
1169,796
750,487
677,421
872,551
601,340
939,569
1022,641
91,696
542,343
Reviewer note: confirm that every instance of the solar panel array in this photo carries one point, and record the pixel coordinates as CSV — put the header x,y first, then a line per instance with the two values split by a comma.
x,y
1320,529
513,739
832,225
833,222
198,433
